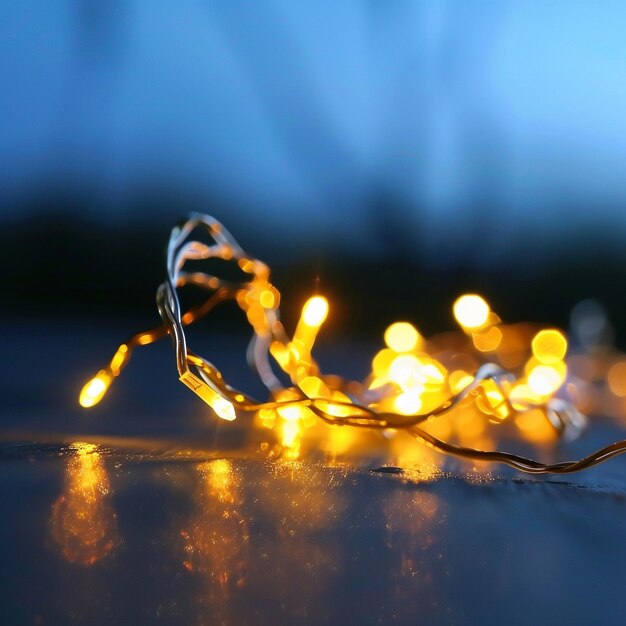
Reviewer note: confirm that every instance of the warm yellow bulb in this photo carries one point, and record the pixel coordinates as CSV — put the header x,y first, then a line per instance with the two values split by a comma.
x,y
549,346
267,299
94,390
405,370
223,408
315,311
314,387
409,402
401,337
471,311
118,359
459,379
381,362
545,380
493,402
523,395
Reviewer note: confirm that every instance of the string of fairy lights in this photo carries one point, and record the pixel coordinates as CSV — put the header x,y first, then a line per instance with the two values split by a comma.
x,y
490,373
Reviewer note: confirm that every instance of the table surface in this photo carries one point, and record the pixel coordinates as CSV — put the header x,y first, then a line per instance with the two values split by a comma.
x,y
162,519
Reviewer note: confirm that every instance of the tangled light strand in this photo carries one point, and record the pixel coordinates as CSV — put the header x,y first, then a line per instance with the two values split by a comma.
x,y
398,396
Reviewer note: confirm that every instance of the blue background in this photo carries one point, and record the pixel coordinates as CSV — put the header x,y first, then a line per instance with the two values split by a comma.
x,y
476,143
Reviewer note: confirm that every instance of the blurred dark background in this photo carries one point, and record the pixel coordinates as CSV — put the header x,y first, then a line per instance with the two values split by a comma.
x,y
390,154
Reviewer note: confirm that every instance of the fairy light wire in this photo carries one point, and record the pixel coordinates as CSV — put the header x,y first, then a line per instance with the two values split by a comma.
x,y
259,300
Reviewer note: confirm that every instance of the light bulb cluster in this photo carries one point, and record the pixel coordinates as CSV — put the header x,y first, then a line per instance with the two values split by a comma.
x,y
444,391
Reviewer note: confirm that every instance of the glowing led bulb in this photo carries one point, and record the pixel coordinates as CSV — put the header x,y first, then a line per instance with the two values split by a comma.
x,y
409,402
406,371
94,390
459,380
493,402
549,346
315,311
401,337
267,299
522,395
471,311
314,387
407,377
223,408
544,380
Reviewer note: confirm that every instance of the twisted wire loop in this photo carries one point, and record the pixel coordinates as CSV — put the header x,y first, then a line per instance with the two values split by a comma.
x,y
347,403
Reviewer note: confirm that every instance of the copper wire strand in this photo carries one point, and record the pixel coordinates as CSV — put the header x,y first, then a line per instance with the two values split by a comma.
x,y
180,250
518,462
147,337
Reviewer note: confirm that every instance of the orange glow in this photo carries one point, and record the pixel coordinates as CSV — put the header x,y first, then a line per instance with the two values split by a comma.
x,y
617,378
457,386
339,441
294,421
492,401
406,371
549,346
267,299
471,311
409,402
489,341
315,311
314,387
470,426
382,362
118,359
523,395
223,408
402,337
220,478
94,390
84,524
535,427
459,379
214,540
544,380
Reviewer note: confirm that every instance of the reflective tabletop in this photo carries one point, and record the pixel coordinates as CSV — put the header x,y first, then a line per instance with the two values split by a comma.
x,y
144,512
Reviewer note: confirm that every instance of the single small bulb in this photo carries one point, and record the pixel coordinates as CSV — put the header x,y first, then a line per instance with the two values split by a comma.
x,y
409,402
406,371
315,311
401,337
94,390
224,409
545,380
267,299
471,311
549,346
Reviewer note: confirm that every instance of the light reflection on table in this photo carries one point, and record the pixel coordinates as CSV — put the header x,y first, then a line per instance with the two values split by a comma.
x,y
84,522
100,535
